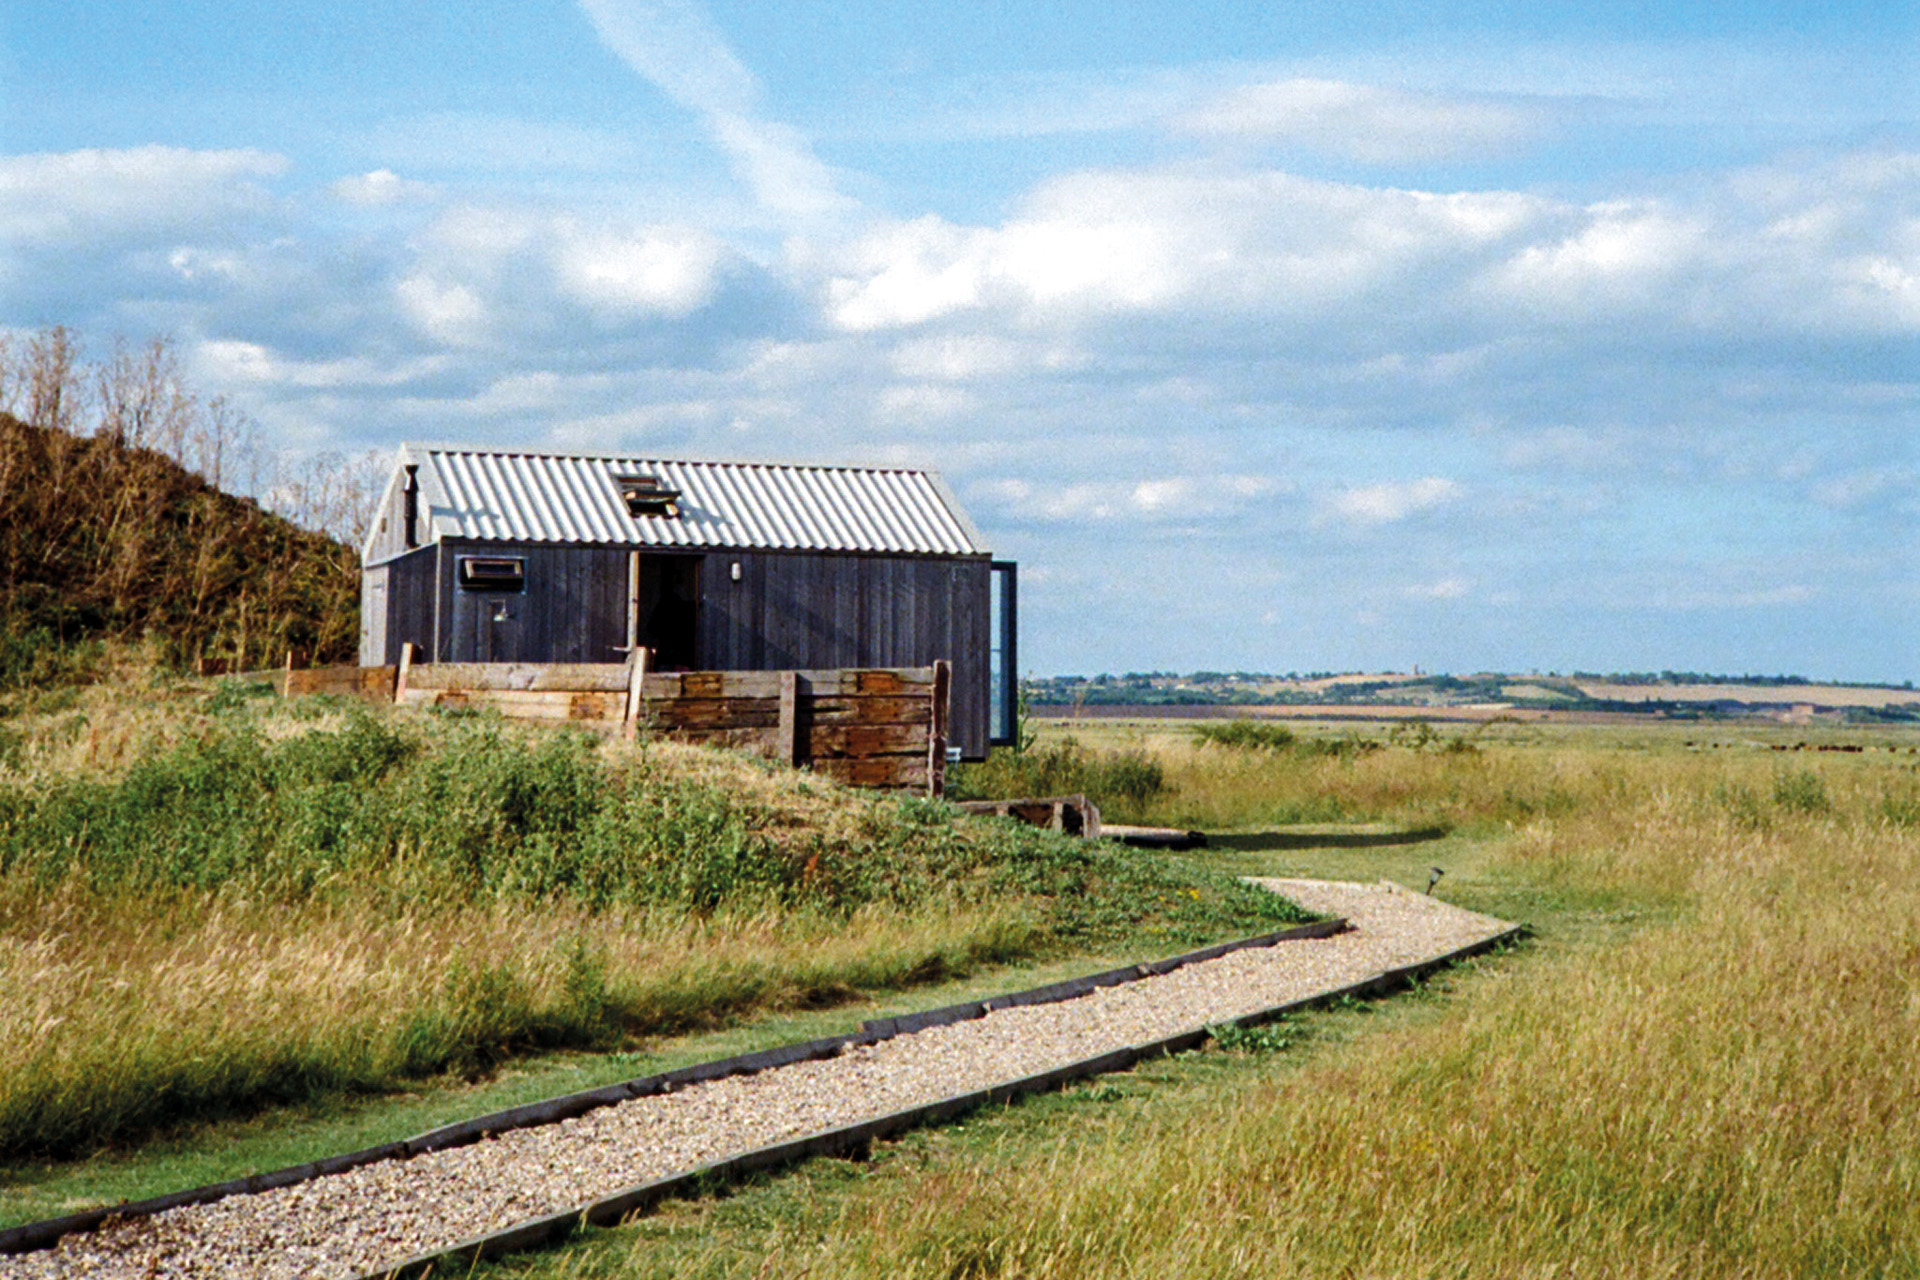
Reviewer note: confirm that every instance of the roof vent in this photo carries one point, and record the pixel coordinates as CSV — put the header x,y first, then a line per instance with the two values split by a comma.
x,y
648,496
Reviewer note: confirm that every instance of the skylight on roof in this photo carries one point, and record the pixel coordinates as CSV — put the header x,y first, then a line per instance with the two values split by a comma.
x,y
648,495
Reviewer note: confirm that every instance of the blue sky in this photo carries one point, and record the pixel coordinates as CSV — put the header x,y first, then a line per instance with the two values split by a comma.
x,y
1284,337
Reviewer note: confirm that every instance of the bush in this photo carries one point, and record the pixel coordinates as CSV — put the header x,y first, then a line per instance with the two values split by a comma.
x,y
1259,735
1251,735
1800,791
35,658
1121,783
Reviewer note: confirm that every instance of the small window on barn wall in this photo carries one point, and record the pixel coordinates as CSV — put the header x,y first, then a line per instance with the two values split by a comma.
x,y
493,573
648,496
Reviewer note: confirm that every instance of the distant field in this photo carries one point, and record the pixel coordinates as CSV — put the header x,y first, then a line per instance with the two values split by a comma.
x,y
1487,698
1816,695
1336,711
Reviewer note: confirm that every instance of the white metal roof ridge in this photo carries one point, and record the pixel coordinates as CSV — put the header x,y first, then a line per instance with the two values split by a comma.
x,y
538,495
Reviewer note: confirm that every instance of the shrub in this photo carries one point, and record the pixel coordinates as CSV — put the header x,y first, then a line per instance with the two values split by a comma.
x,y
1800,791
1252,735
1121,783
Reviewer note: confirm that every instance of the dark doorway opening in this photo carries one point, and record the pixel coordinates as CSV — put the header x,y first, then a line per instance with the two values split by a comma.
x,y
666,602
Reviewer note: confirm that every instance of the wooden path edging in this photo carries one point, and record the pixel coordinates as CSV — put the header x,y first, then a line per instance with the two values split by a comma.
x,y
32,1236
614,1209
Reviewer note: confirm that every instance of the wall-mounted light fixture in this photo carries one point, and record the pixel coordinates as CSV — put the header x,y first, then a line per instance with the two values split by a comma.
x,y
734,572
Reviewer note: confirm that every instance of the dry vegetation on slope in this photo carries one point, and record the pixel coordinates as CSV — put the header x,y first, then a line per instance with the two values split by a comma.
x,y
113,523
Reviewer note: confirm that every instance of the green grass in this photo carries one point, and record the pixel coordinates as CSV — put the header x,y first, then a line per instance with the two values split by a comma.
x,y
256,905
1701,1065
214,1151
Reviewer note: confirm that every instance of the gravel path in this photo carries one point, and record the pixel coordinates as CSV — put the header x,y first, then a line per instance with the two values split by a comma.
x,y
355,1223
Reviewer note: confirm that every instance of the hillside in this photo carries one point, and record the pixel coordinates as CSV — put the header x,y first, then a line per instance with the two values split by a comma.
x,y
1668,695
101,539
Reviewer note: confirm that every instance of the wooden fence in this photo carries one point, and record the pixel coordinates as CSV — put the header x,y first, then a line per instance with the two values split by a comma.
x,y
874,727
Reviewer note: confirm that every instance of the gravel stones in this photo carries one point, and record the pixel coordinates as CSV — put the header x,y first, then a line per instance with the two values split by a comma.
x,y
359,1222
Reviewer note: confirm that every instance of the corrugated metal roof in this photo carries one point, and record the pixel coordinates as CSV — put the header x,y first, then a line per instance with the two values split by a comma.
x,y
546,497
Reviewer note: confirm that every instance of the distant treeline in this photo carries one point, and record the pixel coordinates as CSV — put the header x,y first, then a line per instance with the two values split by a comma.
x,y
113,525
1205,689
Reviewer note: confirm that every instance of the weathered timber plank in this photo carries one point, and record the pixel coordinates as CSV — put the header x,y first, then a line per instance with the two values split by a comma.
x,y
906,680
568,677
713,713
828,741
879,771
786,747
759,740
372,683
871,710
940,730
556,704
633,706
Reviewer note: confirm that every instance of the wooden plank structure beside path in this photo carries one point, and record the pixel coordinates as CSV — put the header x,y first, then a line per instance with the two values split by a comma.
x,y
873,727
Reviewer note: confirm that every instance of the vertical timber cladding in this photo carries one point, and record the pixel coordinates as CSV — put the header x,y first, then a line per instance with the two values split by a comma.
x,y
811,610
410,612
571,608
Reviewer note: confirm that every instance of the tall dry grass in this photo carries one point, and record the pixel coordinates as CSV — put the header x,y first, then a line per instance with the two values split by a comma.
x,y
1733,1093
212,902
118,1022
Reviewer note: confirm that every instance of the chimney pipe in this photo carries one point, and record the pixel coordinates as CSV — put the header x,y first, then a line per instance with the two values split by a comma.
x,y
412,509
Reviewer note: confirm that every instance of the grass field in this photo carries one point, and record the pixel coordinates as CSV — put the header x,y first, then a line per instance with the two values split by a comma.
x,y
1702,1067
212,903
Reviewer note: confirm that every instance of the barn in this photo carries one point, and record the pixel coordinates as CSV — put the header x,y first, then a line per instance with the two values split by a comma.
x,y
481,555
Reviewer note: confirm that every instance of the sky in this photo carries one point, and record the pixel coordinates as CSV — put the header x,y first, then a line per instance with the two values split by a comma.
x,y
1322,336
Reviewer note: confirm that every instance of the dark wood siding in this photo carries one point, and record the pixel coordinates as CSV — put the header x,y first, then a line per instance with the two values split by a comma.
x,y
572,609
409,605
788,610
798,610
373,616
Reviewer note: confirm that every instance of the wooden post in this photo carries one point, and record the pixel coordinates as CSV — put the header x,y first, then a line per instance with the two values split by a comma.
x,y
787,736
400,676
937,731
636,692
633,601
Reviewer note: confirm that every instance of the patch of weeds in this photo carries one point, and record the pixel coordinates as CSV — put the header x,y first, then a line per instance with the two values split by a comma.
x,y
1247,735
1801,791
1119,782
235,695
1268,1037
1743,805
38,659
1901,810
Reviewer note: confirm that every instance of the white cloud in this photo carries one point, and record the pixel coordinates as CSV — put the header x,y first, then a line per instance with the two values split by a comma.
x,y
1365,122
1440,589
638,271
80,195
960,358
479,274
1156,498
447,312
912,406
904,274
380,187
673,44
1616,253
1392,502
1861,487
1147,240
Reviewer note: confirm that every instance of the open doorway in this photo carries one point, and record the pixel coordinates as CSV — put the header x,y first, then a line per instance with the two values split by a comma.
x,y
665,609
